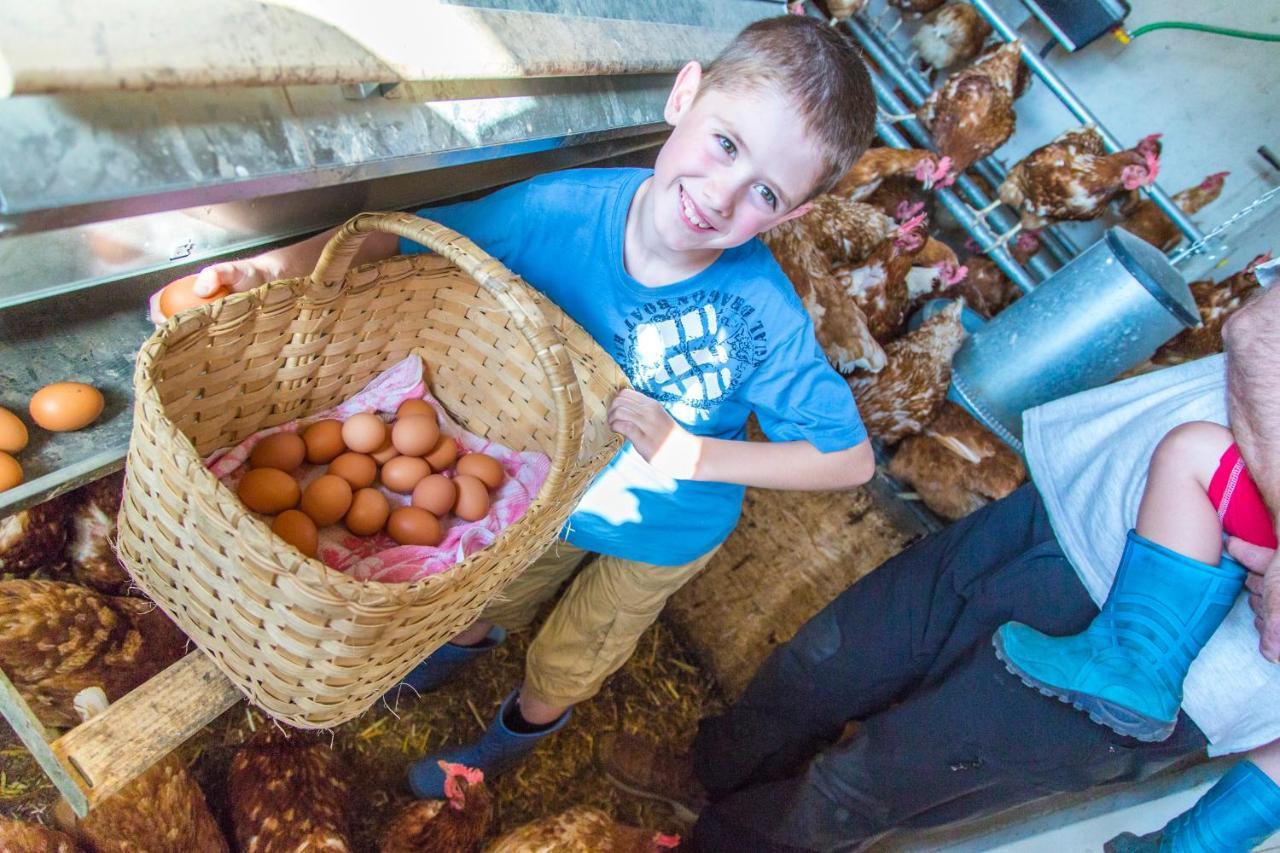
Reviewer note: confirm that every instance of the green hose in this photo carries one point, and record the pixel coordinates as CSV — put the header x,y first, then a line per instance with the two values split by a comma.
x,y
1203,28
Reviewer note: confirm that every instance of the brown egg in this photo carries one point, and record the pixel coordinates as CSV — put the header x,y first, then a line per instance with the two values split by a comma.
x,y
483,468
180,295
298,530
364,433
403,473
436,494
473,498
368,513
10,471
327,499
411,525
269,491
444,454
13,432
324,441
385,453
66,406
415,407
284,451
415,435
356,468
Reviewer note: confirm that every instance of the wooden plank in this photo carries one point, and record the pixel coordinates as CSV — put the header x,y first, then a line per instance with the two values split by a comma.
x,y
82,45
32,734
142,727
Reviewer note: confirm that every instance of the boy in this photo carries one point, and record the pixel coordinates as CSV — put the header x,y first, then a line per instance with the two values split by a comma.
x,y
663,269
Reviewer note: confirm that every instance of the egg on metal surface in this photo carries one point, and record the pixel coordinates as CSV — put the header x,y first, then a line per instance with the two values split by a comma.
x,y
10,471
13,432
66,406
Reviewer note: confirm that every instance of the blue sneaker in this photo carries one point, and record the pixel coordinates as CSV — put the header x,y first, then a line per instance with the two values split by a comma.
x,y
441,665
1126,669
1238,813
498,750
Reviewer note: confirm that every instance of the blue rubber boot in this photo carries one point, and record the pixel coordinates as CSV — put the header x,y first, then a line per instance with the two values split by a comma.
x,y
1238,813
498,750
1126,669
441,665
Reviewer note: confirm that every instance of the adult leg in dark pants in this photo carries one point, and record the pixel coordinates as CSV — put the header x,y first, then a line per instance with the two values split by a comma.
x,y
946,731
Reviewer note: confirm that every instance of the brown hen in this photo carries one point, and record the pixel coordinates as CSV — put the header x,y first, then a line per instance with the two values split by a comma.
x,y
986,289
581,829
457,824
288,792
161,811
1150,222
1073,178
971,114
1216,302
951,35
903,397
878,284
18,836
836,231
57,638
878,164
957,465
842,9
34,538
916,8
90,549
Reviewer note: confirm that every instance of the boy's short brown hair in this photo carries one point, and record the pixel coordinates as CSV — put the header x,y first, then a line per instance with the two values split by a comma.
x,y
808,60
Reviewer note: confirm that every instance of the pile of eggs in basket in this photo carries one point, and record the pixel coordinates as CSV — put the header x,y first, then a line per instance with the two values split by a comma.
x,y
408,456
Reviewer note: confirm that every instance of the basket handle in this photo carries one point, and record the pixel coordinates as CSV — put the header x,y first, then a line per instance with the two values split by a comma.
x,y
512,293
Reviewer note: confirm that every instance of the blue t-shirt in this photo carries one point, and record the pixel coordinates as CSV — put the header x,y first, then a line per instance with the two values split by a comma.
x,y
731,340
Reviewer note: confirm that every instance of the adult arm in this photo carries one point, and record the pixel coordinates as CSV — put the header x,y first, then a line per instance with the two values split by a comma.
x,y
1252,339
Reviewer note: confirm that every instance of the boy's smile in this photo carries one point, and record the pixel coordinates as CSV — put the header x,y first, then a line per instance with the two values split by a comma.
x,y
737,164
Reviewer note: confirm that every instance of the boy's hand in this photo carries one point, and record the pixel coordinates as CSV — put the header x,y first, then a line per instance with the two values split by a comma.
x,y
1263,584
662,442
235,276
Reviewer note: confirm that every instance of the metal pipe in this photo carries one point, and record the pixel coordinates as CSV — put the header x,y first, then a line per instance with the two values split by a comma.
x,y
1069,100
889,57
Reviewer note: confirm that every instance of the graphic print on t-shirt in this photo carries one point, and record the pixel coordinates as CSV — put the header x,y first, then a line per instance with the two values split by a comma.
x,y
691,352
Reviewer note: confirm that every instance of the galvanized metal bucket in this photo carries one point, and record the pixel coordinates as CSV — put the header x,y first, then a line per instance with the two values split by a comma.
x,y
1100,315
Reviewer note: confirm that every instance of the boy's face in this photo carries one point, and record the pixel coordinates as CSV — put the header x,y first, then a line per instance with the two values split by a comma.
x,y
736,165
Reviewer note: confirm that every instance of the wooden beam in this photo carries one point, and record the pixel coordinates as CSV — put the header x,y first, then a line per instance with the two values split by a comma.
x,y
33,736
105,753
80,45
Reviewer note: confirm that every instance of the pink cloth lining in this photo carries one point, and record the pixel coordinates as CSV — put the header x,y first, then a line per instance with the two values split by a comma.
x,y
379,558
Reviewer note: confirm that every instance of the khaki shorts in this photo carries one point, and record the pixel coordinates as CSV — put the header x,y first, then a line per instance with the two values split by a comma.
x,y
597,623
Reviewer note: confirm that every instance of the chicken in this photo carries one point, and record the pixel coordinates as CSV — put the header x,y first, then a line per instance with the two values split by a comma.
x,y
951,35
93,527
287,791
161,811
878,284
1150,222
22,837
971,114
1216,302
836,231
877,164
916,8
1073,178
957,465
894,192
581,829
903,397
457,824
34,538
842,9
986,289
57,638
935,270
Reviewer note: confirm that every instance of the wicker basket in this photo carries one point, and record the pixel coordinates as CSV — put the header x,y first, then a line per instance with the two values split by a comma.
x,y
310,645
